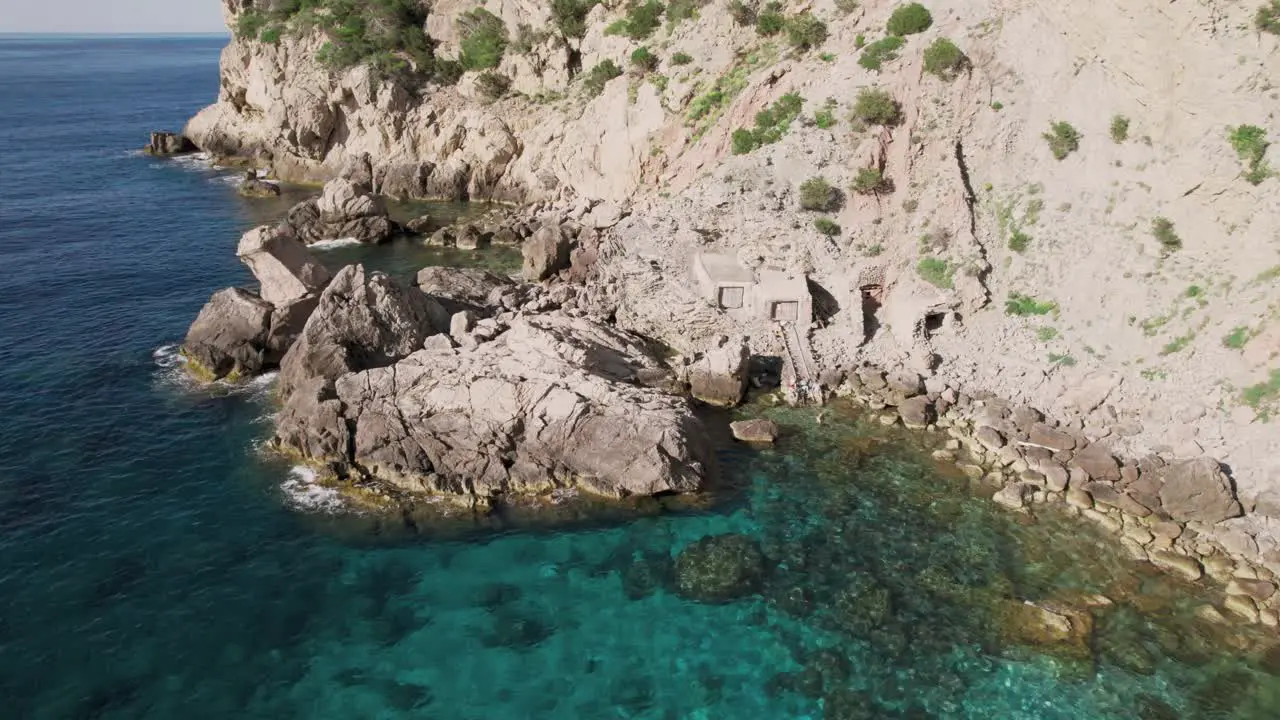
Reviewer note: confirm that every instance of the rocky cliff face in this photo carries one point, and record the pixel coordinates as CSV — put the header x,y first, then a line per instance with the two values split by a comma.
x,y
1074,210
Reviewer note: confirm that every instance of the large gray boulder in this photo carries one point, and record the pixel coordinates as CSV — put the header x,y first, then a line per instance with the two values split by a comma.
x,y
285,269
363,320
545,254
344,210
719,377
459,289
1198,490
167,143
254,187
229,337
551,402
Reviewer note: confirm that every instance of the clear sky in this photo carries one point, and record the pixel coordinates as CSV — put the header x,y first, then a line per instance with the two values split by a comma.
x,y
111,16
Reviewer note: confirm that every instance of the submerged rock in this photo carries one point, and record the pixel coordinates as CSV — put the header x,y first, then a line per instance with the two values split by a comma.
x,y
755,431
548,403
720,568
420,225
645,575
1058,630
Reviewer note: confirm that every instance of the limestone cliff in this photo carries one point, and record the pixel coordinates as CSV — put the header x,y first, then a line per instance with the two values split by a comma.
x,y
1068,204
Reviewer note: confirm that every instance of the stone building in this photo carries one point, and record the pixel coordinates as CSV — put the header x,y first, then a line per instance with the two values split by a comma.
x,y
742,294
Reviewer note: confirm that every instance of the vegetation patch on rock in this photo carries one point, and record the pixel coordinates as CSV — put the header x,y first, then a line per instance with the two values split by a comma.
x,y
826,226
484,39
1268,18
806,32
640,22
1250,143
599,76
771,124
644,59
874,106
943,59
875,55
1119,128
1023,305
909,20
936,272
871,181
570,16
817,194
1162,230
1063,139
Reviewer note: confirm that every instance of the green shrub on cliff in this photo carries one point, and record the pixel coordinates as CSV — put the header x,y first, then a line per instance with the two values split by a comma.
x,y
1063,139
493,85
644,59
571,16
871,181
806,32
1024,305
1162,230
249,24
874,106
484,38
875,55
743,13
936,272
640,22
944,59
1250,143
771,124
909,20
770,20
826,226
386,35
1268,18
1263,397
817,194
680,10
599,76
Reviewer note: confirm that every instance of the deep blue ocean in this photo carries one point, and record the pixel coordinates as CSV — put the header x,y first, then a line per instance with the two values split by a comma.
x,y
155,563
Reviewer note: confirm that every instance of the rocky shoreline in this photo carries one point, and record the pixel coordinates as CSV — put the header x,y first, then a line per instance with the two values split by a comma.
x,y
468,385
649,222
367,407
1165,513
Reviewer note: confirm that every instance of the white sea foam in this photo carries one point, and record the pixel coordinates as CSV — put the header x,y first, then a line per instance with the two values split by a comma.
x,y
331,244
263,381
193,161
172,365
168,356
304,493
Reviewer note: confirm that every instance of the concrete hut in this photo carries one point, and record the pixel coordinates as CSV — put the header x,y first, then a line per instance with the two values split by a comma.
x,y
737,291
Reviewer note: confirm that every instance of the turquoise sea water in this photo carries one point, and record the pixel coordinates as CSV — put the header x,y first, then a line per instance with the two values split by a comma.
x,y
154,564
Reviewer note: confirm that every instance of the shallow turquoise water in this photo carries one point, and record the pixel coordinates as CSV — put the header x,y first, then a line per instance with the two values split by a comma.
x,y
156,565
